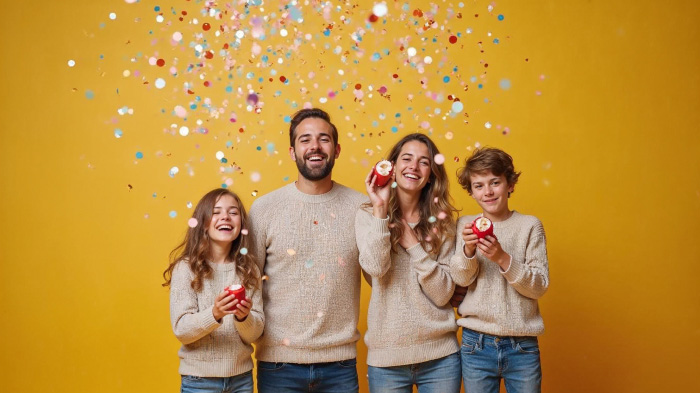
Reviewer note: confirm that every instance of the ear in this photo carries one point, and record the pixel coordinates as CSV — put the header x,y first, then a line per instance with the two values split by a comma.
x,y
337,150
511,188
291,153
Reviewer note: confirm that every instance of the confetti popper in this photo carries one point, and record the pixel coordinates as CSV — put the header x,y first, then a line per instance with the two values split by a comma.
x,y
482,227
236,290
383,171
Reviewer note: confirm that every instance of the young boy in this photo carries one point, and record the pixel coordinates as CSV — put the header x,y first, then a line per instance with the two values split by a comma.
x,y
505,274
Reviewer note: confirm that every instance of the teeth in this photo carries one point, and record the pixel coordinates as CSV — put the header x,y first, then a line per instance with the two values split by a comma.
x,y
315,158
225,227
410,176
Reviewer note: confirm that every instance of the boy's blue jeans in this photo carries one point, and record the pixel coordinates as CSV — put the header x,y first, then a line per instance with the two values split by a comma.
x,y
333,377
435,376
486,359
242,383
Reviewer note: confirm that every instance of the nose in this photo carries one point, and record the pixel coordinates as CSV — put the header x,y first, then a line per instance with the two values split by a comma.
x,y
489,190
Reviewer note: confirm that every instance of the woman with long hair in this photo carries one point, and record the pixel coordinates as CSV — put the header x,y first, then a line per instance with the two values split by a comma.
x,y
406,236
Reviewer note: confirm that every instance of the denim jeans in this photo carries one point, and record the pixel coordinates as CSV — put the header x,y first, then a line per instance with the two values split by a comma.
x,y
242,383
434,376
333,377
486,359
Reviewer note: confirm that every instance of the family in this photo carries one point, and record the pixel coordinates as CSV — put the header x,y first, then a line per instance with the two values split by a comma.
x,y
303,249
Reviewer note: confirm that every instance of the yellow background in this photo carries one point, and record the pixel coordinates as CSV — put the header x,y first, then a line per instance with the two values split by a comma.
x,y
602,114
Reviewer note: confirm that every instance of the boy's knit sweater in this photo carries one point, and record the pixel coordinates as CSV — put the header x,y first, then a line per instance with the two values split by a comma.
x,y
504,303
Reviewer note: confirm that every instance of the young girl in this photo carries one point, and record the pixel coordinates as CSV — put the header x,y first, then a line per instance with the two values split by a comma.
x,y
406,238
505,273
215,329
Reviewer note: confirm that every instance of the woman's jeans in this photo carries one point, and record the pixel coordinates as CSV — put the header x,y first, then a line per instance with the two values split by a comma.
x,y
434,376
486,359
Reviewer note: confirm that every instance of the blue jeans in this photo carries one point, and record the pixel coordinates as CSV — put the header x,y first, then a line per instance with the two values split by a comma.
x,y
434,376
333,377
486,359
242,383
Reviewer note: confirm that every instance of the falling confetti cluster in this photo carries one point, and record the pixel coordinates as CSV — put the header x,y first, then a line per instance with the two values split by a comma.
x,y
229,75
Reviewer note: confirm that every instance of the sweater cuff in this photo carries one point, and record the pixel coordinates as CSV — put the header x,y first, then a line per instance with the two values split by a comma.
x,y
209,320
516,271
245,324
379,225
417,252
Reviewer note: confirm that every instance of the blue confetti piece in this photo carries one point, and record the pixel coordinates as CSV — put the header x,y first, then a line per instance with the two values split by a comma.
x,y
139,156
172,214
89,94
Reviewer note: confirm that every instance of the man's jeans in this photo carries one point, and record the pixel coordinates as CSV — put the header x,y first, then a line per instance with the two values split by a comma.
x,y
333,377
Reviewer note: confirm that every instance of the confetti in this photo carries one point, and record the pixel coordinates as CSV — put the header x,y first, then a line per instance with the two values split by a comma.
x,y
192,222
291,252
439,159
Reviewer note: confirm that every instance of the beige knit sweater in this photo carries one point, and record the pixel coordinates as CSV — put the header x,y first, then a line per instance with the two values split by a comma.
x,y
306,247
410,319
504,303
210,348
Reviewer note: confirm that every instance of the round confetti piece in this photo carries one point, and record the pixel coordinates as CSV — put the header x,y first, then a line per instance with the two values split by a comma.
x,y
172,214
189,205
89,94
244,231
380,9
432,219
453,39
439,159
394,185
504,84
180,111
118,133
184,131
177,36
206,26
255,177
160,83
71,63
457,107
192,222
487,124
112,16
139,156
285,342
442,215
291,252
219,155
411,51
428,60
174,171
244,251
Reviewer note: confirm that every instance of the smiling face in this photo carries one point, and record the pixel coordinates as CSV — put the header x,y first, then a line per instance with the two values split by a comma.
x,y
225,224
491,193
314,149
412,166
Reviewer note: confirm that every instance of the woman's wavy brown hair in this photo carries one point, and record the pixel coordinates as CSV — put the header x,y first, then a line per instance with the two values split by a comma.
x,y
195,248
434,199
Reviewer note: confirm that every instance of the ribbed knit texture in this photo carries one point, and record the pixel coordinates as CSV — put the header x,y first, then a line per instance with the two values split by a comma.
x,y
410,319
504,303
212,349
306,247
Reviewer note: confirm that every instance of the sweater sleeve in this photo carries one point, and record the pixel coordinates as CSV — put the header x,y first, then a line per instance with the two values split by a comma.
x,y
252,327
258,231
373,242
463,270
434,275
531,276
189,323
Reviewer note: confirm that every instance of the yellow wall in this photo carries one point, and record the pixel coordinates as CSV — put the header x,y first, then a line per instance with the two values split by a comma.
x,y
602,115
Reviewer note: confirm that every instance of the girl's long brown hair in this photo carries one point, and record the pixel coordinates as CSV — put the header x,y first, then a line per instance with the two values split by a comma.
x,y
434,199
194,249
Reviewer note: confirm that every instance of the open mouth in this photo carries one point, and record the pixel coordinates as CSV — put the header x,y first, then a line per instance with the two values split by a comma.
x,y
411,176
224,228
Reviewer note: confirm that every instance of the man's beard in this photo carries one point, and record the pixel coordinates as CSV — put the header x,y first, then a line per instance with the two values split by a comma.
x,y
314,174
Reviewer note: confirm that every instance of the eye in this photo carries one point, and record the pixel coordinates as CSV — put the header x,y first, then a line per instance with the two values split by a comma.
x,y
425,163
325,140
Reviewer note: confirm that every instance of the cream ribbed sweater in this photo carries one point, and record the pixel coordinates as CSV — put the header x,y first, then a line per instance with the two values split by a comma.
x,y
410,319
209,348
306,247
504,303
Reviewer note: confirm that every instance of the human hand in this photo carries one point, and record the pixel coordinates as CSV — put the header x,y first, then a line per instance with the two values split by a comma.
x,y
458,296
379,196
470,240
408,237
242,309
224,305
491,248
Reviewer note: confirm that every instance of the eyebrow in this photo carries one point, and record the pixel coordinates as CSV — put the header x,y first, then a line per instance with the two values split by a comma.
x,y
309,135
411,155
491,179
